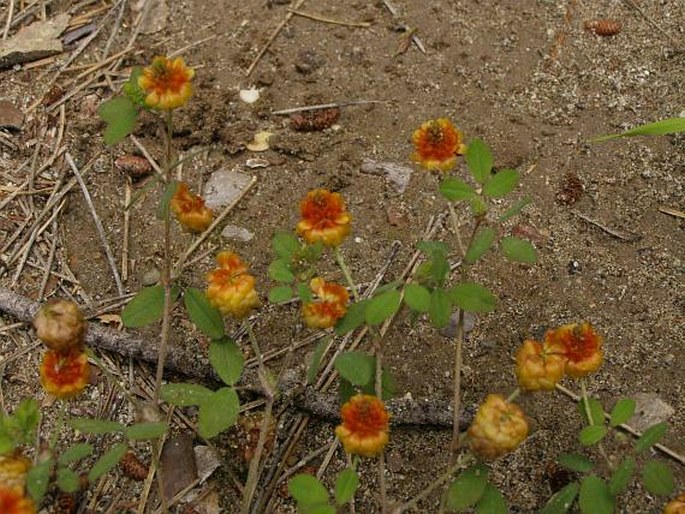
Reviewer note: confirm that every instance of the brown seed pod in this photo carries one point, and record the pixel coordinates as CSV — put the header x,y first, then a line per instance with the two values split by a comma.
x,y
132,467
135,166
603,27
312,121
60,325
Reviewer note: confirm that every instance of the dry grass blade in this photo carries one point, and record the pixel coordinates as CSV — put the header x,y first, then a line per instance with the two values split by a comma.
x,y
323,19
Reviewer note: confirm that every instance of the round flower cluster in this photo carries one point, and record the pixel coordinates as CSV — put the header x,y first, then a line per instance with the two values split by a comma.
x,y
324,218
64,371
166,83
190,209
437,143
574,350
365,425
13,497
230,287
498,427
676,506
329,308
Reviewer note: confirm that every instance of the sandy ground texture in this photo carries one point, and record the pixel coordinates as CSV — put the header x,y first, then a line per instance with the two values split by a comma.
x,y
526,76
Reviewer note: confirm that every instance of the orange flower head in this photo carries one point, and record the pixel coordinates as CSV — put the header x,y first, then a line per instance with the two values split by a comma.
x,y
365,425
676,506
15,501
581,347
60,325
324,218
437,144
331,306
166,83
539,366
13,469
230,287
190,209
64,375
498,428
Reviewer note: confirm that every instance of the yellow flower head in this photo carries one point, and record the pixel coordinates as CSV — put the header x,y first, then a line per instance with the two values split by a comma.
x,y
539,366
15,501
64,375
437,144
365,425
190,209
230,288
498,427
582,347
324,218
676,506
166,83
60,325
13,469
331,306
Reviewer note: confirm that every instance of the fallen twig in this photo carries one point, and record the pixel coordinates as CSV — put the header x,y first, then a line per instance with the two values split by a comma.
x,y
616,233
323,19
326,106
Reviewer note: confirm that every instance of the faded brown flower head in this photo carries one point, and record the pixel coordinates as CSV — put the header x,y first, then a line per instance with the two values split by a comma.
x,y
437,143
324,218
330,306
230,287
498,428
64,375
166,83
60,325
190,209
365,425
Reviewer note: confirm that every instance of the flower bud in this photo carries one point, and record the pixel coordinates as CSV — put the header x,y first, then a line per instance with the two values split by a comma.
x,y
498,428
60,325
324,218
190,209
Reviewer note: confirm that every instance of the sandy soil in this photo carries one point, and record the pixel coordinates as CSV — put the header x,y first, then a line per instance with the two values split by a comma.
x,y
523,75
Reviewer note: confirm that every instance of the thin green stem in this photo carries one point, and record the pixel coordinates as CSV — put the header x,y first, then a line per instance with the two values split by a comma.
x,y
165,277
346,272
382,485
455,226
588,413
59,422
514,394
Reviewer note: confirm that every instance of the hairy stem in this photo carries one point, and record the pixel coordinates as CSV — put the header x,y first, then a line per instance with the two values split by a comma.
x,y
346,273
588,413
382,485
166,266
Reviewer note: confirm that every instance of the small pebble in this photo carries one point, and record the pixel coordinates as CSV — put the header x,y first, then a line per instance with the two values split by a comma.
x,y
150,277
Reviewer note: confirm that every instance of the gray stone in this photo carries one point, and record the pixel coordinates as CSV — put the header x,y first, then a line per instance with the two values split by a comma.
x,y
450,331
237,233
150,277
224,187
396,174
649,410
38,40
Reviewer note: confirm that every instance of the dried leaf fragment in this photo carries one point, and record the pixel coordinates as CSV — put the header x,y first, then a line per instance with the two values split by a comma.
x,y
603,27
260,143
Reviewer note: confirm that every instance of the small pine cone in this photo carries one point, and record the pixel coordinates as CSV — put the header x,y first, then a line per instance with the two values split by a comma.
x,y
132,467
312,121
65,503
603,27
134,166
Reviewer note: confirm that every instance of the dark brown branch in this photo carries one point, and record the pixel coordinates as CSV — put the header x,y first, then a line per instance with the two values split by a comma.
x,y
421,412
